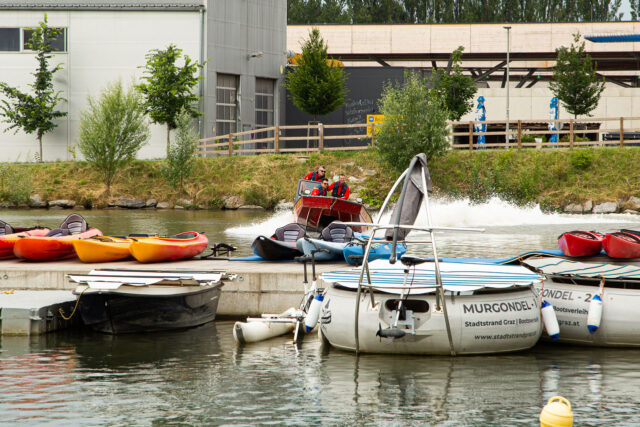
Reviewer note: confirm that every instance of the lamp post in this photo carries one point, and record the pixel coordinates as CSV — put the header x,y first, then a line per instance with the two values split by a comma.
x,y
507,27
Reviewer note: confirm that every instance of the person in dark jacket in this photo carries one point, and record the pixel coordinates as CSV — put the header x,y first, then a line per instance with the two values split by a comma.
x,y
340,189
316,175
321,190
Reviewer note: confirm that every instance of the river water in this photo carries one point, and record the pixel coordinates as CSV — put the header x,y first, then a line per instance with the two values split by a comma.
x,y
200,377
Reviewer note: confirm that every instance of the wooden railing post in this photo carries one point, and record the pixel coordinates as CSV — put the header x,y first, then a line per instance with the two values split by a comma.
x,y
230,145
621,131
276,140
519,134
571,133
321,136
373,135
471,136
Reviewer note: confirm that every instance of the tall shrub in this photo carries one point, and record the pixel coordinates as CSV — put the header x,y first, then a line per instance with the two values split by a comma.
x,y
113,130
575,82
415,121
456,88
181,160
35,112
168,87
316,85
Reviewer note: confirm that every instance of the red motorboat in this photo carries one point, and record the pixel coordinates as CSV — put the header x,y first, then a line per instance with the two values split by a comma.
x,y
316,212
622,244
580,243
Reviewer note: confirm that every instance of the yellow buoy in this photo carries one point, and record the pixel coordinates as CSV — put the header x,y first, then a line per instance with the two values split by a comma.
x,y
556,413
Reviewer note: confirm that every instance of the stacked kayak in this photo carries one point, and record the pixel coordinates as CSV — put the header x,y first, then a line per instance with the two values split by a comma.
x,y
171,248
622,244
334,238
579,243
103,248
9,236
57,244
281,245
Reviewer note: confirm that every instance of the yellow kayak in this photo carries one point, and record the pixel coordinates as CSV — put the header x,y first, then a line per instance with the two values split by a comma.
x,y
102,248
171,248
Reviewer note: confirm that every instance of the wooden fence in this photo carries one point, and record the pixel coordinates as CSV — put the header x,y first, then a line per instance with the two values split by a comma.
x,y
596,132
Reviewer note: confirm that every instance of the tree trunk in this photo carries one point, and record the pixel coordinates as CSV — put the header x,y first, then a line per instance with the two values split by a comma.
x,y
40,145
168,141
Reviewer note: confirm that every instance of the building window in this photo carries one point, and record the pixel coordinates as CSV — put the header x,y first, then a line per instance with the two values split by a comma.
x,y
9,39
226,104
59,44
264,102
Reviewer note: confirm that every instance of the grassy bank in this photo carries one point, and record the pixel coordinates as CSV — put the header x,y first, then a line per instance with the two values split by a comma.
x,y
552,178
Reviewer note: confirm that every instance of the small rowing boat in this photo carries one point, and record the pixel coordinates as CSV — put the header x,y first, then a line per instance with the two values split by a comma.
x,y
57,244
281,245
579,243
9,236
168,248
622,244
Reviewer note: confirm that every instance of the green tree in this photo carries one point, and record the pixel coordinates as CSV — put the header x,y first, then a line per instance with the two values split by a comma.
x,y
456,89
113,130
35,112
415,121
168,88
316,87
181,160
317,12
575,82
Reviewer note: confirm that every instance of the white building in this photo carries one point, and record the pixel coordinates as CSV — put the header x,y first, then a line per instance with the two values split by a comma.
x,y
243,42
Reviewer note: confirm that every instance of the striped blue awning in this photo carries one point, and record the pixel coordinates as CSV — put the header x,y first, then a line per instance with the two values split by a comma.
x,y
456,277
564,267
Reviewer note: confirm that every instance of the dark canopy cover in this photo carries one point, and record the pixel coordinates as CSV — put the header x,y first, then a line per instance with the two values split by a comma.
x,y
410,206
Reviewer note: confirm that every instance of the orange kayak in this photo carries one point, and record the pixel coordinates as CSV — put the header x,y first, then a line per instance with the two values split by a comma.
x,y
8,241
102,248
172,248
50,248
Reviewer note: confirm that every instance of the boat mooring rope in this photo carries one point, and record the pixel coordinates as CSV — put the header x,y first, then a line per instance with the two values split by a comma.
x,y
74,308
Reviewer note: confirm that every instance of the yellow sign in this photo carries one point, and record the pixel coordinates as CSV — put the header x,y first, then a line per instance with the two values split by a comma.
x,y
376,119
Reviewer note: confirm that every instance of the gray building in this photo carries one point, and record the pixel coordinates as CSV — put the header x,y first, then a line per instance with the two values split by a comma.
x,y
243,42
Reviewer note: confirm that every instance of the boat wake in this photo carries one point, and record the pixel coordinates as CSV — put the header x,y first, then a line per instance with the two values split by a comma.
x,y
265,227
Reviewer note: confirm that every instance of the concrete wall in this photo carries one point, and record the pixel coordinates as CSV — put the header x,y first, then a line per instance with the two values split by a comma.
x,y
103,46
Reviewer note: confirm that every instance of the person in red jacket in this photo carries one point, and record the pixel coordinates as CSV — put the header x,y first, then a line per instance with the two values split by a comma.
x,y
321,190
340,189
316,175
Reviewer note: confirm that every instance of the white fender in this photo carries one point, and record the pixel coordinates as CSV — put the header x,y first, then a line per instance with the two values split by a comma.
x,y
550,320
311,318
595,314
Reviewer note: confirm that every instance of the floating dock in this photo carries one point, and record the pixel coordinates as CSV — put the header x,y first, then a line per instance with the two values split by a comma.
x,y
39,289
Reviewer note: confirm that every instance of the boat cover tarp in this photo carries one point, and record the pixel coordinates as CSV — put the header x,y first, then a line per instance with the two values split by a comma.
x,y
412,199
456,277
565,267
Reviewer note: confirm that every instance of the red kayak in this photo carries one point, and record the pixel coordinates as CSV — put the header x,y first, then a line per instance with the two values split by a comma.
x,y
580,243
622,244
57,244
10,235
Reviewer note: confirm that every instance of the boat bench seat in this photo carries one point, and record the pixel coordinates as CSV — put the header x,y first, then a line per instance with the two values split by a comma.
x,y
73,224
337,232
5,228
290,233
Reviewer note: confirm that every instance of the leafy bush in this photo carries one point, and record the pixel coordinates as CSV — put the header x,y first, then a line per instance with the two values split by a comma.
x,y
415,122
581,159
181,159
113,130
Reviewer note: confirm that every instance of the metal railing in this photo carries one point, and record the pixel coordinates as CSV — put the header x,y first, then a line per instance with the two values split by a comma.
x,y
595,132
